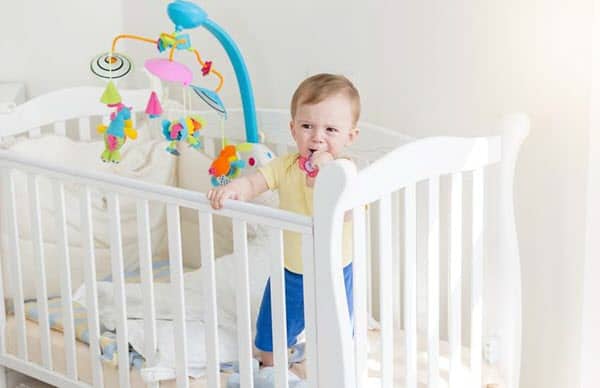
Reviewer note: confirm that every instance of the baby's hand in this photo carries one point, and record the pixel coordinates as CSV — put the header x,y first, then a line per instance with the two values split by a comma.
x,y
318,160
220,194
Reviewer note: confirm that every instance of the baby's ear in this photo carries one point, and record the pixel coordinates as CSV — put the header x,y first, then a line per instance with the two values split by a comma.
x,y
352,135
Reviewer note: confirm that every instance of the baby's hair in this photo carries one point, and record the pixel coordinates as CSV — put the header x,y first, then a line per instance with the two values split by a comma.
x,y
318,87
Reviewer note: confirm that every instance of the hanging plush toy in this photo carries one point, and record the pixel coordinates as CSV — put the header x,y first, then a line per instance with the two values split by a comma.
x,y
186,129
120,127
116,133
233,158
226,167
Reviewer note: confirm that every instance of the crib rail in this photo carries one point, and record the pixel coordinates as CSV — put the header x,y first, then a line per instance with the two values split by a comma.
x,y
168,195
49,109
340,188
114,188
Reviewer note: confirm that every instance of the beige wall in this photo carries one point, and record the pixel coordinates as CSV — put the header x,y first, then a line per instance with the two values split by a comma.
x,y
427,67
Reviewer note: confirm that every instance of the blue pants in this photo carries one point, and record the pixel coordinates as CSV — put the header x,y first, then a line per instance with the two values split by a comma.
x,y
294,309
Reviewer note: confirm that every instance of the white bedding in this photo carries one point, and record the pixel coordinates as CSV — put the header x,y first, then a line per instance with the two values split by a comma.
x,y
142,160
258,253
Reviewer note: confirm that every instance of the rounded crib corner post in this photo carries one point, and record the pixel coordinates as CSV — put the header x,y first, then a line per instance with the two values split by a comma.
x,y
514,128
334,339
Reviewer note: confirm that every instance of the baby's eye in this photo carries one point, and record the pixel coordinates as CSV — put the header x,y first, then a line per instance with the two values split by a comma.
x,y
331,129
306,126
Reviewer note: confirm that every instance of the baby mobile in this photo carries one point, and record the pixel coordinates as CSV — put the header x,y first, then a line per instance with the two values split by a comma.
x,y
113,66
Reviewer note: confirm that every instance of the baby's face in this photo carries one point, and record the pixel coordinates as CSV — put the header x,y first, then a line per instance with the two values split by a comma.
x,y
325,126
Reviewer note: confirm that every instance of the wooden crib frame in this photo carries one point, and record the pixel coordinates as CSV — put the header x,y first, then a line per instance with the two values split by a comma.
x,y
334,357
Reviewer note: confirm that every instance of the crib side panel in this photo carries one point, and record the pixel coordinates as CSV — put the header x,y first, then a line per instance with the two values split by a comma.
x,y
461,166
94,191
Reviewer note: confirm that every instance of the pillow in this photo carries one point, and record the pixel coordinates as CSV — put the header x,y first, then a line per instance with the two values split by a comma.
x,y
143,160
193,175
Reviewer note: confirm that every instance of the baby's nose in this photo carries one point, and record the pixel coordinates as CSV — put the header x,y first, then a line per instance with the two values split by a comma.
x,y
317,134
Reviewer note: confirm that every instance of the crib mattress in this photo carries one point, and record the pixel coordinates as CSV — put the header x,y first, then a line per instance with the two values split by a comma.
x,y
111,376
84,370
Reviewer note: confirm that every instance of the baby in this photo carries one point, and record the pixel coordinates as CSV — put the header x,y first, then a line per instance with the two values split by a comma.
x,y
325,109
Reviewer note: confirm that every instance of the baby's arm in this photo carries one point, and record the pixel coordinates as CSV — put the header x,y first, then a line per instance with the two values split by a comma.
x,y
242,189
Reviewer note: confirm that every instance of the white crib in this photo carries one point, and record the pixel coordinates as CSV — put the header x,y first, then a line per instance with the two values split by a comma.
x,y
393,171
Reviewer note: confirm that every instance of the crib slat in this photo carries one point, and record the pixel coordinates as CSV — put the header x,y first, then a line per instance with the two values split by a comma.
x,y
146,274
359,291
91,291
396,262
310,327
433,283
176,270
242,296
278,310
118,280
16,271
384,214
84,129
369,242
60,128
455,280
410,284
207,256
3,262
40,270
65,279
477,277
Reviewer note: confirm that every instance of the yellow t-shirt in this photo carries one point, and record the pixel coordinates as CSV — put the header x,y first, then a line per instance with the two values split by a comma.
x,y
284,175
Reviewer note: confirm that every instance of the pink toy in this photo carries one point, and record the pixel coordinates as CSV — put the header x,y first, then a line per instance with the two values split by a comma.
x,y
153,109
169,70
306,165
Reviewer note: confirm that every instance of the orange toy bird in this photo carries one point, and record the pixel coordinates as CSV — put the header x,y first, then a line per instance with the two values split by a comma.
x,y
226,167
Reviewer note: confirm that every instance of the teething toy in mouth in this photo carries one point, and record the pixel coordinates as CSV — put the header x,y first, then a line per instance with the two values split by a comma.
x,y
306,165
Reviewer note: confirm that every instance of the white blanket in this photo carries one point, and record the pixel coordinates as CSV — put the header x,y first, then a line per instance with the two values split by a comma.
x,y
259,255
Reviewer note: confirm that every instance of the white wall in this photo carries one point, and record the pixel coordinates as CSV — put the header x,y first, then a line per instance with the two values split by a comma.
x,y
590,336
49,44
428,67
